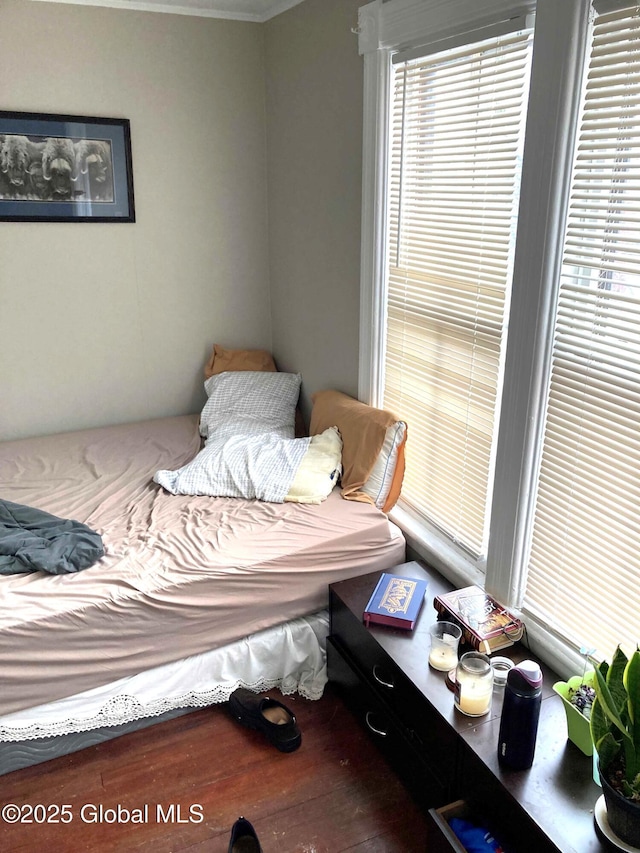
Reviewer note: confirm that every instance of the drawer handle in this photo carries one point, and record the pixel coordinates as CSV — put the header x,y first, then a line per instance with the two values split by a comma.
x,y
373,728
382,681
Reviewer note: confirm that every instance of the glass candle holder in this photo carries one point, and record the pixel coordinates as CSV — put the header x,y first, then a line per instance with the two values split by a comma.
x,y
445,637
501,667
474,684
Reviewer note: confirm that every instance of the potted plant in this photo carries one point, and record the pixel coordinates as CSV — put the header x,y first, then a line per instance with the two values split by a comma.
x,y
577,696
615,729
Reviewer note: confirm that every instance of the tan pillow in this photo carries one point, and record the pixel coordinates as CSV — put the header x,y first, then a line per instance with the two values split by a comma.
x,y
363,429
238,359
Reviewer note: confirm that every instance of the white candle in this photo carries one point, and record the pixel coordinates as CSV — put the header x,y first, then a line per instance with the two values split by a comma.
x,y
444,653
474,699
443,659
474,684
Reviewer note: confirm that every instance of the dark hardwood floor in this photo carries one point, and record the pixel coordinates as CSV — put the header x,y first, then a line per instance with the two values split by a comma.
x,y
334,794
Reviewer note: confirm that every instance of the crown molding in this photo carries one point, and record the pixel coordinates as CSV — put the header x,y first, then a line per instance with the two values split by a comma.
x,y
254,11
395,24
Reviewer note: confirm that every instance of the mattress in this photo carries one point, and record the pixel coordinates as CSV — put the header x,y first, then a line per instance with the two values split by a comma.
x,y
181,574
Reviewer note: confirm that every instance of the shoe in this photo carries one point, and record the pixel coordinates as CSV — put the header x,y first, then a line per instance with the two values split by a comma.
x,y
268,716
243,838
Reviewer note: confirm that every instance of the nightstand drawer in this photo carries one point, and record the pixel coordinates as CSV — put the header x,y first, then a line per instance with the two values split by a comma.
x,y
395,689
404,751
442,838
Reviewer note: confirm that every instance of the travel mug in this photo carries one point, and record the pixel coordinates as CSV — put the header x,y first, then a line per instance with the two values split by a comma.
x,y
520,715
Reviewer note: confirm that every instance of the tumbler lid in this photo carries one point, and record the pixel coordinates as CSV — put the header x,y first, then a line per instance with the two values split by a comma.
x,y
531,672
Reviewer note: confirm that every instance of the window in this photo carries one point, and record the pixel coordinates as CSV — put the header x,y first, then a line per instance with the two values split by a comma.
x,y
457,135
585,554
552,495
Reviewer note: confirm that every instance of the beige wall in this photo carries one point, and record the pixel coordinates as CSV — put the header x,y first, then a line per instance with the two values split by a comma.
x,y
314,140
105,323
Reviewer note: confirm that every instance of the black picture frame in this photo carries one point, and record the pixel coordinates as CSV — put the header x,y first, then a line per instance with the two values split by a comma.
x,y
61,168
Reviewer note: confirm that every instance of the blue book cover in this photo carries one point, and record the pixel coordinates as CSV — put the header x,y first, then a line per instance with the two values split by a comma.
x,y
396,601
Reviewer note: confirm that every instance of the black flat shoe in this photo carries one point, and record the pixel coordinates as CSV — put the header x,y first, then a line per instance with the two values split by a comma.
x,y
243,838
268,716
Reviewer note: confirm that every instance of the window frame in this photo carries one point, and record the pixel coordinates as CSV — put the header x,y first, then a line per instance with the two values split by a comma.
x,y
559,55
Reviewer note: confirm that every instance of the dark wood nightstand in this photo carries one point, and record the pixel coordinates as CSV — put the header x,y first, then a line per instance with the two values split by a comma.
x,y
444,756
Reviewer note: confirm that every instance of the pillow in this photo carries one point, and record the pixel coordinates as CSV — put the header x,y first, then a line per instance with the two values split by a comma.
x,y
368,446
384,474
222,359
264,466
261,466
250,451
249,402
319,470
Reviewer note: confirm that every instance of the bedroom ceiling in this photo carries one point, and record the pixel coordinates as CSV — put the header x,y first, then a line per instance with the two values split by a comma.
x,y
237,10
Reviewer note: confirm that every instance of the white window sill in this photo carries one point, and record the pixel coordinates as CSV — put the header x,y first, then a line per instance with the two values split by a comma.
x,y
428,545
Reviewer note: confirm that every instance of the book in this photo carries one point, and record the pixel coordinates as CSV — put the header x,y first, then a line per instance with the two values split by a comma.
x,y
396,601
486,625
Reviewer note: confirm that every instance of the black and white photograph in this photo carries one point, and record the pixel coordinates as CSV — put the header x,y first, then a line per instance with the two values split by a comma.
x,y
55,167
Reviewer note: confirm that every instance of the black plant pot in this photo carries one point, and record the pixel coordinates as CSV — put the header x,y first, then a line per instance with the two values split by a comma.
x,y
623,814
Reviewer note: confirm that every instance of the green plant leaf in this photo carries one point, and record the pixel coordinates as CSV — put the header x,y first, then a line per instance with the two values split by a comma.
x,y
607,703
611,698
615,682
631,680
607,748
635,786
599,724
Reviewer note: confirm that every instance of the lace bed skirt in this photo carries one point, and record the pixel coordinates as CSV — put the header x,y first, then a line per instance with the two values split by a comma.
x,y
291,657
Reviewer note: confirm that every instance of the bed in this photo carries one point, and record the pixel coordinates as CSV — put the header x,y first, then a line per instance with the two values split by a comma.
x,y
196,594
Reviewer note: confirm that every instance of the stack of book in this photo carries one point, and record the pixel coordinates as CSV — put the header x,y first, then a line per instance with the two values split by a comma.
x,y
486,625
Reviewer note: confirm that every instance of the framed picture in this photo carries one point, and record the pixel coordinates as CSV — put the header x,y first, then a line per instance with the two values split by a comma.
x,y
58,168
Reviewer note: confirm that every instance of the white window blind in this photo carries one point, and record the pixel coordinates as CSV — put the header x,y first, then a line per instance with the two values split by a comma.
x,y
584,567
456,146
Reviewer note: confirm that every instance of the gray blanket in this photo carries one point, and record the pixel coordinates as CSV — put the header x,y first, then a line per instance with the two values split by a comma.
x,y
32,540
